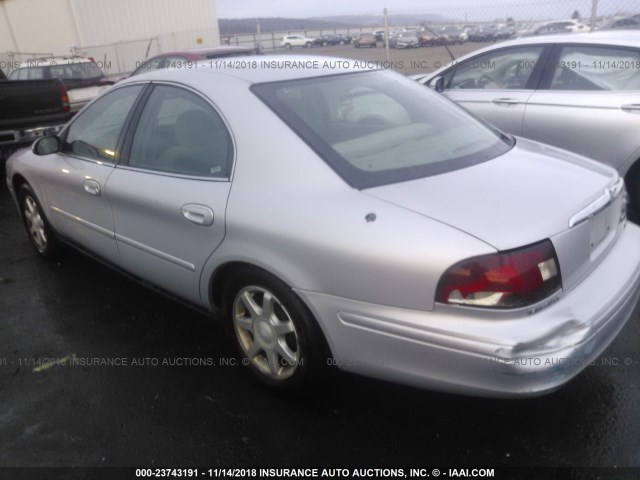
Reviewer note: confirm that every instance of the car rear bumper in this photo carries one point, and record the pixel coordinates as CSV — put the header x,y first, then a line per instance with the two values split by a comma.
x,y
477,352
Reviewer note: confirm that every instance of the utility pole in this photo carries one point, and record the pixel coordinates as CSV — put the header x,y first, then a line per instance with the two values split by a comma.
x,y
259,35
386,32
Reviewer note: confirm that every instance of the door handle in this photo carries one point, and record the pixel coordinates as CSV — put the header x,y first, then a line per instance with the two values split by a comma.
x,y
92,186
198,214
631,107
505,101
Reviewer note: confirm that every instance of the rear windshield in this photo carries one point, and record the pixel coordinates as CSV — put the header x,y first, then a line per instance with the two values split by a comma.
x,y
378,127
69,73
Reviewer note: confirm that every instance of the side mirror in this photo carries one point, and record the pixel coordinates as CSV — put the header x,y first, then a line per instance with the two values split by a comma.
x,y
437,84
46,145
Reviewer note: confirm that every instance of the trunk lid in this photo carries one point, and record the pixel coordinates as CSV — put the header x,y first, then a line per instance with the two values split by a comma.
x,y
527,195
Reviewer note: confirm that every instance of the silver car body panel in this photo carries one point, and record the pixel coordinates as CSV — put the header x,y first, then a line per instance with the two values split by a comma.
x,y
371,283
511,354
75,202
504,110
572,120
155,240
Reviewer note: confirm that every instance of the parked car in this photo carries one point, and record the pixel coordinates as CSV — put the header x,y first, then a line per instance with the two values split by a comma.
x,y
485,33
379,34
365,40
578,92
621,23
81,77
185,58
453,35
290,41
431,38
408,39
30,109
431,249
325,40
554,27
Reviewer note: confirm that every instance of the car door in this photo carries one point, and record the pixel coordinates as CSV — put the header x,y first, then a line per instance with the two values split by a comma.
x,y
169,194
589,103
496,85
74,179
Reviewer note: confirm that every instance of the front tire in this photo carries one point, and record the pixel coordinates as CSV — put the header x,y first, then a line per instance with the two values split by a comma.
x,y
274,331
42,236
307,45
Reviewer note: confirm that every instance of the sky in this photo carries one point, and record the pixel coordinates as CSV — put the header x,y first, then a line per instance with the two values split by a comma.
x,y
480,9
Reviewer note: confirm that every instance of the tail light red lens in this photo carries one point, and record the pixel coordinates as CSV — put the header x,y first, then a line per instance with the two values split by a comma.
x,y
511,279
66,106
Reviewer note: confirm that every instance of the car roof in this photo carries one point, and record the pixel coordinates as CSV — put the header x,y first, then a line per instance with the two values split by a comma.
x,y
623,38
260,69
222,50
51,61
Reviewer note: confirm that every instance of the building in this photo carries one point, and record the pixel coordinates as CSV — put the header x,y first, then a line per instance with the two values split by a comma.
x,y
118,33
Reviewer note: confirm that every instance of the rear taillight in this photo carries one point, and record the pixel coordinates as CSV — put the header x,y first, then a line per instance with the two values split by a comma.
x,y
511,279
64,96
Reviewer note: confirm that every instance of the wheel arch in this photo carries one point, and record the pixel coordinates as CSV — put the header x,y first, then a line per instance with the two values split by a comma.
x,y
17,181
225,273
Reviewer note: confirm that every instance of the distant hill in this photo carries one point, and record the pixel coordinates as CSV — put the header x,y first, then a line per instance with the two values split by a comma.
x,y
377,20
232,26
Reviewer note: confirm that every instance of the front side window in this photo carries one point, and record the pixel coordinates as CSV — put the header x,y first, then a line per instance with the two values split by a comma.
x,y
376,128
597,68
95,132
505,69
179,132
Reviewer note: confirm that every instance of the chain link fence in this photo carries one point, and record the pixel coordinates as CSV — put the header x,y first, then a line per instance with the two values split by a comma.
x,y
436,24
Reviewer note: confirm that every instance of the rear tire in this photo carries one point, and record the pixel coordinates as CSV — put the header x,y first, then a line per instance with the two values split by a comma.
x,y
274,331
287,46
42,236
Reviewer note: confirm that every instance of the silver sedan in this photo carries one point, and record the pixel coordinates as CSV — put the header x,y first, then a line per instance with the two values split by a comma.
x,y
344,217
580,92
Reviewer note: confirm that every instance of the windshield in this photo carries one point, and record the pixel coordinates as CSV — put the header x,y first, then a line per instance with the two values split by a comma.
x,y
378,127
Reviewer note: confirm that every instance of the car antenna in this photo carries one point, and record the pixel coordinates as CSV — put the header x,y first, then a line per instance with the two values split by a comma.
x,y
453,59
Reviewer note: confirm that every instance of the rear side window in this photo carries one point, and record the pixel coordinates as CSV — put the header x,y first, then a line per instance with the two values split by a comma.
x,y
76,71
378,127
597,68
27,74
179,132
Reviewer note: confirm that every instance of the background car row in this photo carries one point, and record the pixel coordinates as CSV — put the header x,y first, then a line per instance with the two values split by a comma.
x,y
578,92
